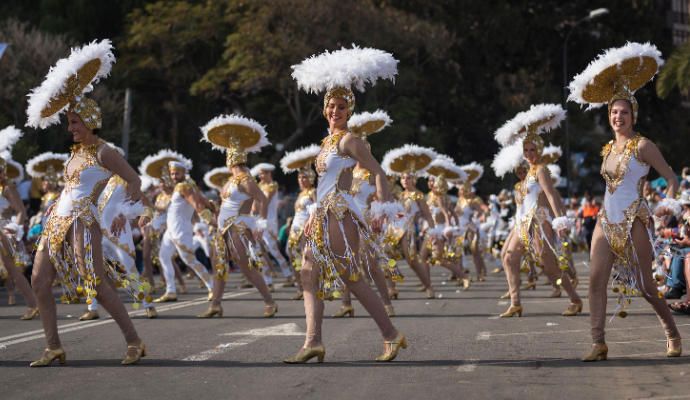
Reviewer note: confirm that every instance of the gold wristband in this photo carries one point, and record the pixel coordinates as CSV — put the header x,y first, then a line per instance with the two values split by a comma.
x,y
207,216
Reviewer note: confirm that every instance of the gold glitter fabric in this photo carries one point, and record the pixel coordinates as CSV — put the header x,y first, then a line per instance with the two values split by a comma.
x,y
88,110
296,238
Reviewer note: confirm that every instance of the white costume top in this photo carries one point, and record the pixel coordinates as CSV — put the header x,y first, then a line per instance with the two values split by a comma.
x,y
233,200
304,200
618,198
180,213
272,211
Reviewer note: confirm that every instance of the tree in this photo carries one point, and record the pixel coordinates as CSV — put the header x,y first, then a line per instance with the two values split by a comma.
x,y
676,73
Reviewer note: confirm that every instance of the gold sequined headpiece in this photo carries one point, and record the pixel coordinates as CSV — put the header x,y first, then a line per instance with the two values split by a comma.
x,y
536,140
47,166
367,123
340,93
66,83
236,135
408,159
301,160
616,75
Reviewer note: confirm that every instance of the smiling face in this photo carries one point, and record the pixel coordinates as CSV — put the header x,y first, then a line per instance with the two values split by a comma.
x,y
304,181
76,127
530,152
265,176
177,174
337,113
621,116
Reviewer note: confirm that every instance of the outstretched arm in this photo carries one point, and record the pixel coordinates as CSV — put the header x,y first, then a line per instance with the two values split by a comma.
x,y
358,150
546,182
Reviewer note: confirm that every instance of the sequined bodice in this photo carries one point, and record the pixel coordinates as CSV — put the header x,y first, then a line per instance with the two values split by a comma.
x,y
530,191
410,200
362,189
623,184
304,200
272,213
330,164
233,198
4,203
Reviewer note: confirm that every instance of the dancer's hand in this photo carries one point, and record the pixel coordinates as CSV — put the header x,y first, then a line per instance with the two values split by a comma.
x,y
144,222
118,225
307,226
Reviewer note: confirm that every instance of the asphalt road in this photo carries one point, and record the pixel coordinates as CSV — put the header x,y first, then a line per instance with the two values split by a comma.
x,y
458,349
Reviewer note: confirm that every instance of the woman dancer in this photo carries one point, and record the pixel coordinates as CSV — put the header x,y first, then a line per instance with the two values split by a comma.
x,y
300,161
337,232
71,246
408,162
622,236
468,204
12,229
535,237
236,227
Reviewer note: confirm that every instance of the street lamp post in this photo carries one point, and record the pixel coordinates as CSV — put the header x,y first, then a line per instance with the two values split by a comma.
x,y
592,14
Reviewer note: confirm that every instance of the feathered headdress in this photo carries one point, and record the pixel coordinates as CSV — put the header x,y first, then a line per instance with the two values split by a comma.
x,y
474,171
216,178
156,165
338,71
256,170
538,119
66,83
236,135
508,159
408,159
551,154
616,74
441,167
366,123
9,137
47,165
300,159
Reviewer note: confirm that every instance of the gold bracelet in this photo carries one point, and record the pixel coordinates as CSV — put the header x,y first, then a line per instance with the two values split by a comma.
x,y
207,216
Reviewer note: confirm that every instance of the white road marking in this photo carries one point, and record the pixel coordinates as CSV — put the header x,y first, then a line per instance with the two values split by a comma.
x,y
680,396
574,331
483,336
76,326
250,336
468,366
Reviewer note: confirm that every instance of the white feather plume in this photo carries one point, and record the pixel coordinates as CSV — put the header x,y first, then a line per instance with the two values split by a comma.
x,y
32,163
563,222
474,167
610,57
407,149
552,151
164,153
446,163
348,68
9,137
55,80
515,128
303,153
555,170
390,210
359,119
211,173
19,167
671,205
147,182
235,119
507,159
256,170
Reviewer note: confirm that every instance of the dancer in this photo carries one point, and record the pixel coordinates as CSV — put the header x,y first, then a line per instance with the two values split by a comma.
x,y
235,229
70,247
467,206
269,187
179,232
337,232
535,237
443,242
409,162
300,161
12,229
623,233
364,193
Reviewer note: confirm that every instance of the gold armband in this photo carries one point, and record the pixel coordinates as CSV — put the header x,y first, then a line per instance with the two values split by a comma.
x,y
206,216
148,212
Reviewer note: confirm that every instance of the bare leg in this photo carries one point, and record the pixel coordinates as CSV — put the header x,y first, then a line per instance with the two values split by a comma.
x,y
42,279
552,270
380,281
252,275
313,305
414,263
148,259
646,282
18,277
601,262
512,255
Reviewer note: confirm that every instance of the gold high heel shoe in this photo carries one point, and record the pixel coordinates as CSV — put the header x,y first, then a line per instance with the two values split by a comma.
x,y
505,295
572,310
89,316
421,288
151,313
389,310
599,352
166,298
512,311
673,350
393,294
430,294
139,352
556,293
30,314
270,311
210,295
392,348
298,296
530,285
465,284
306,354
345,310
48,357
212,312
